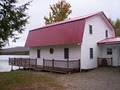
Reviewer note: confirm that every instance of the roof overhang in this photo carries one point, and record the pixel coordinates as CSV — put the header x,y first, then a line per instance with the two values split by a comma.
x,y
112,40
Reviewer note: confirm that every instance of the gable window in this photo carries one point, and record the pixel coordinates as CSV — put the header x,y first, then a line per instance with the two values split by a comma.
x,y
38,53
109,51
91,53
90,29
106,33
66,53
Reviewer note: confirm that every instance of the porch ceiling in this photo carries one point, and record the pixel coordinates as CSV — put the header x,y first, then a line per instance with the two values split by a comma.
x,y
112,40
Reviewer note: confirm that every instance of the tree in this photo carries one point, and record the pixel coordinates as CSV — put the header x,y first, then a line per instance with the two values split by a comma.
x,y
12,20
59,12
116,25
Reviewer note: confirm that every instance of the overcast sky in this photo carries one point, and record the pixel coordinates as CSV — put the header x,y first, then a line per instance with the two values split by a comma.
x,y
40,8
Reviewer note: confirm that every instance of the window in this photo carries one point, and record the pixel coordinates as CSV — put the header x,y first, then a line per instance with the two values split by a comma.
x,y
109,51
38,53
66,53
106,32
90,29
91,53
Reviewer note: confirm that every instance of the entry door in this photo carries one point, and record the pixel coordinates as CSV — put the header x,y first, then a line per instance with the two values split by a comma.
x,y
119,56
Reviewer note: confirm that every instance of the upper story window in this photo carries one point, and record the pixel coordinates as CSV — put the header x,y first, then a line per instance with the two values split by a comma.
x,y
106,33
38,53
90,29
109,51
66,53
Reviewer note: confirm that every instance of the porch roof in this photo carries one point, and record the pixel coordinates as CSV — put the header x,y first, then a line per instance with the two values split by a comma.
x,y
111,40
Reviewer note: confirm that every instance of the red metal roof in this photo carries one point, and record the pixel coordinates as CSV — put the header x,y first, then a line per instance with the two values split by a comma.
x,y
112,40
67,33
60,33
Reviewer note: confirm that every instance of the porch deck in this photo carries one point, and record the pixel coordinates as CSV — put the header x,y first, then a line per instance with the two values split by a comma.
x,y
61,66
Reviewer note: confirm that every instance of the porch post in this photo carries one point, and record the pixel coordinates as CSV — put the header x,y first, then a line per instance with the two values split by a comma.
x,y
14,60
36,62
79,64
111,61
25,63
19,63
29,62
43,63
53,64
67,65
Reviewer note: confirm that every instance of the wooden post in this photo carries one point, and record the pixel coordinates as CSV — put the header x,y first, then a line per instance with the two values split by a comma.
x,y
14,60
67,66
24,63
43,63
19,63
29,62
79,63
36,62
53,64
111,61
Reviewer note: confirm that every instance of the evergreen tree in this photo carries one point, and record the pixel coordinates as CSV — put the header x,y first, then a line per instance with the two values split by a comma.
x,y
59,12
12,20
116,25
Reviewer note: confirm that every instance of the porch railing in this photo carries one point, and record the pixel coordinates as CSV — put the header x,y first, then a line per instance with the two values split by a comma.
x,y
49,65
104,61
23,62
62,65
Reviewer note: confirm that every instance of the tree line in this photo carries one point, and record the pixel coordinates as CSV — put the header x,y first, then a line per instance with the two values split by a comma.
x,y
15,53
116,24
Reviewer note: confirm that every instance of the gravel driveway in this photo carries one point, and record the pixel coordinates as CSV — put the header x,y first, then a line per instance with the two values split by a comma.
x,y
105,78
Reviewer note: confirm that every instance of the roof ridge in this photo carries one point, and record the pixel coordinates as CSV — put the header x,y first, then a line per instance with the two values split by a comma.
x,y
69,20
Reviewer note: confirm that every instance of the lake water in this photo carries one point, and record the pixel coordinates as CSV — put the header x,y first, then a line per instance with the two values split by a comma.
x,y
4,65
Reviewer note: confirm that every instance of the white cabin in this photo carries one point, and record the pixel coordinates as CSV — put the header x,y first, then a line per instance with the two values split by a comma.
x,y
85,38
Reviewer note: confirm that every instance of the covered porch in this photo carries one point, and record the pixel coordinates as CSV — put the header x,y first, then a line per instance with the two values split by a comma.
x,y
110,50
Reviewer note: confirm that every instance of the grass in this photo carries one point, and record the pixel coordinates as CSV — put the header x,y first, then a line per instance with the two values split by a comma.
x,y
28,80
105,77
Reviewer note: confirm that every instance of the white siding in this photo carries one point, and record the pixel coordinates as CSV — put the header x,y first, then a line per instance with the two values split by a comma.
x,y
90,41
115,53
74,53
80,51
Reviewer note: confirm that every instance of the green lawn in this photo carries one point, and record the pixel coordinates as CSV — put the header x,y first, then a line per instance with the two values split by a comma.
x,y
28,80
105,78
